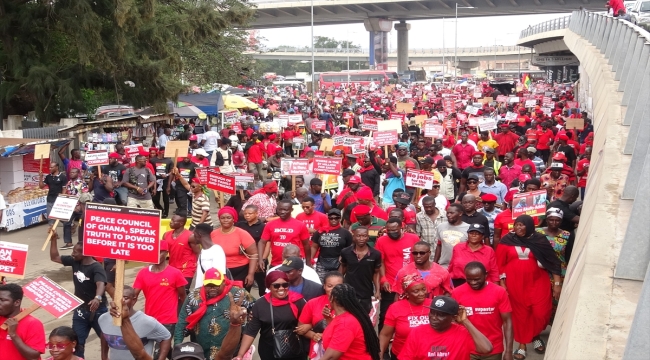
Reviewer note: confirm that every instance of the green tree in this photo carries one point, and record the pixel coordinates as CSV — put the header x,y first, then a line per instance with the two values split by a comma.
x,y
61,57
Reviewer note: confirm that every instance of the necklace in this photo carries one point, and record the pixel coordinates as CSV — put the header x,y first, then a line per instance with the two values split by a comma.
x,y
229,231
412,313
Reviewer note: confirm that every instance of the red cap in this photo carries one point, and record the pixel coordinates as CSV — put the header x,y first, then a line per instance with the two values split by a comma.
x,y
489,198
559,156
477,153
196,180
361,210
354,180
193,137
114,155
272,137
563,137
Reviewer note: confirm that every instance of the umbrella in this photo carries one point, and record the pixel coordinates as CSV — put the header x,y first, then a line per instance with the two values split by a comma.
x,y
238,102
184,109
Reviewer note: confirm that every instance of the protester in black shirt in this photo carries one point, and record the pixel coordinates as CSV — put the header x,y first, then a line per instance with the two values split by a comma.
x,y
115,170
360,265
470,215
89,279
163,167
331,240
570,218
254,227
186,169
55,181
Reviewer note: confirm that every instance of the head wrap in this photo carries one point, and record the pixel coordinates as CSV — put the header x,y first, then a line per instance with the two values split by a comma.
x,y
195,317
271,188
536,242
291,299
228,210
411,280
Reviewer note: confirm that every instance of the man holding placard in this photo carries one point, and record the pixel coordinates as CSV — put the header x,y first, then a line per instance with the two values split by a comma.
x,y
55,181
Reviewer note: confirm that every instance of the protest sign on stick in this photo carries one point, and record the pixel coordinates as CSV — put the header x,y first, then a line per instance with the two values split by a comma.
x,y
175,148
419,179
531,203
61,210
41,151
13,259
327,165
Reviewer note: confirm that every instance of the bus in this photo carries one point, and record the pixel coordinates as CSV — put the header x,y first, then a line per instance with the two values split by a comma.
x,y
329,79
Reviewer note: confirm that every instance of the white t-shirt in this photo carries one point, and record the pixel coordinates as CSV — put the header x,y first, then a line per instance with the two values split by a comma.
x,y
211,140
214,257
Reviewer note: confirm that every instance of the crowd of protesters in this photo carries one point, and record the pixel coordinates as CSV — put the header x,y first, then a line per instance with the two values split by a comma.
x,y
446,272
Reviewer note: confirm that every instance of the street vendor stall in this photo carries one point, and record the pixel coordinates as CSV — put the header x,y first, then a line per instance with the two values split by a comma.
x,y
26,203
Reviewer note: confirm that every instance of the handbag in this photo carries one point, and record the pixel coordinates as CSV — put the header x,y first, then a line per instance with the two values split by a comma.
x,y
330,264
286,343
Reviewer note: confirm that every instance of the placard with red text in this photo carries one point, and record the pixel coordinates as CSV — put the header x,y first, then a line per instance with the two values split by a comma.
x,y
294,166
96,157
419,179
531,203
13,258
383,138
221,182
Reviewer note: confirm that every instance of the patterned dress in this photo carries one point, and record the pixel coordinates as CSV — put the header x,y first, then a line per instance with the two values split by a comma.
x,y
559,243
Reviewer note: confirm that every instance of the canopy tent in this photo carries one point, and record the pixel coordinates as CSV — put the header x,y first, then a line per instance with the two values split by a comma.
x,y
185,110
20,146
238,102
210,103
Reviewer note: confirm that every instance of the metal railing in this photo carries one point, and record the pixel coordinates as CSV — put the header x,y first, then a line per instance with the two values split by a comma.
x,y
555,24
439,51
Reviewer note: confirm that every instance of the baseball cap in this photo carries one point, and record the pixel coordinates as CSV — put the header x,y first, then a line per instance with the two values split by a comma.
x,y
212,277
444,304
291,263
559,156
114,155
361,210
404,198
334,211
200,152
489,150
531,149
188,350
354,180
476,227
193,138
472,177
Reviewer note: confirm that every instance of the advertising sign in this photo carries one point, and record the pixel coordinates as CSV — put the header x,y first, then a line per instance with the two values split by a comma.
x,y
220,182
383,138
530,203
419,179
51,296
13,258
121,233
63,207
96,157
31,168
294,166
327,165
25,213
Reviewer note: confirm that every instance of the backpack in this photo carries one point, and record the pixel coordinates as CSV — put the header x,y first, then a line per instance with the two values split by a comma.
x,y
220,161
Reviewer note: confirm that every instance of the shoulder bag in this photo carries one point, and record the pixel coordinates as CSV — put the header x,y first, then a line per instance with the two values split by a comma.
x,y
286,343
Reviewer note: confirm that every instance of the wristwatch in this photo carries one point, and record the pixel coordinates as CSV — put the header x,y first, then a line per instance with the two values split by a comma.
x,y
98,298
557,283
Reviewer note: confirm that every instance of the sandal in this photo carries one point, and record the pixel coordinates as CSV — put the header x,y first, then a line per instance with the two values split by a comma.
x,y
519,352
539,343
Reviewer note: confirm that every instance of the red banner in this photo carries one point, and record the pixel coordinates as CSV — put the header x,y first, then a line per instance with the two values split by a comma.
x,y
369,124
327,165
13,258
202,173
531,203
383,138
121,233
221,182
236,127
51,296
318,125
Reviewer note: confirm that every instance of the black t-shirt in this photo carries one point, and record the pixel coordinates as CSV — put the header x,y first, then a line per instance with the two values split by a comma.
x,y
477,218
569,152
162,166
331,243
55,184
478,171
283,319
115,172
85,278
255,230
99,191
419,155
359,273
187,171
566,224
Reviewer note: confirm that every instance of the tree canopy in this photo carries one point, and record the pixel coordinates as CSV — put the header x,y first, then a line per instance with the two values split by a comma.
x,y
66,56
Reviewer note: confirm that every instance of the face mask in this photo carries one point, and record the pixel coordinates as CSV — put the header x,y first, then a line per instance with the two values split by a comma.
x,y
395,235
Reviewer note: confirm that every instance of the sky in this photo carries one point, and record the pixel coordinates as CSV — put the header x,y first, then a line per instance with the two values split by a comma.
x,y
477,31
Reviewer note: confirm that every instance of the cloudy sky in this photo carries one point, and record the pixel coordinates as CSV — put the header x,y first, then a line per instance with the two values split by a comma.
x,y
479,31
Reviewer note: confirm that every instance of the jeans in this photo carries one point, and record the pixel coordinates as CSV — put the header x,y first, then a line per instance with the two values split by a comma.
x,y
289,150
165,198
387,298
121,195
82,321
67,226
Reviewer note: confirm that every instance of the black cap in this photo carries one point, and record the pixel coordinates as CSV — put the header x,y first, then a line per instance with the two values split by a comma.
x,y
188,349
441,163
292,263
348,172
428,160
403,198
472,177
476,227
444,304
334,211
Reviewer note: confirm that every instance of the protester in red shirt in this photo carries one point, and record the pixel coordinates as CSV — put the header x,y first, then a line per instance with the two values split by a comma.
x,y
163,287
24,340
395,248
405,315
436,278
444,339
472,250
509,171
583,171
365,197
283,231
181,254
350,335
463,152
544,141
402,201
314,220
506,140
488,307
348,195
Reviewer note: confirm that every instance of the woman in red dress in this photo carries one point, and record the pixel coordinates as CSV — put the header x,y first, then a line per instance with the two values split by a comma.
x,y
525,257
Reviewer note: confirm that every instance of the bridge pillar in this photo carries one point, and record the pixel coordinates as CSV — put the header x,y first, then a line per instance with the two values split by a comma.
x,y
402,45
378,29
465,67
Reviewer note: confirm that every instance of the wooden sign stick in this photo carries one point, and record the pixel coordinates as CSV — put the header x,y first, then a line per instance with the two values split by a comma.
x,y
386,151
49,236
241,195
21,315
40,165
293,183
175,157
119,290
221,202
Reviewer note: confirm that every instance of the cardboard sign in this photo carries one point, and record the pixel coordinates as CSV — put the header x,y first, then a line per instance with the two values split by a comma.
x,y
404,107
473,121
502,98
318,125
294,119
472,109
419,119
383,138
387,125
327,165
51,296
433,129
177,148
486,123
326,145
419,179
530,203
121,233
338,140
513,100
370,124
221,182
63,207
531,103
41,151
13,259
578,124
294,166
96,157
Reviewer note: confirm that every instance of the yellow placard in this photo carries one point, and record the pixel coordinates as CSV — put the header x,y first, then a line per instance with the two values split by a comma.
x,y
177,148
326,145
42,151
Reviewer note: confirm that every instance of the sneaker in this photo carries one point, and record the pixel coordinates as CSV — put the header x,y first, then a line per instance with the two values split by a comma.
x,y
165,215
67,246
249,353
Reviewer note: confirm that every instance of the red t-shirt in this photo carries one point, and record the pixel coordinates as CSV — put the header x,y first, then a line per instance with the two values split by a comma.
x,y
436,279
376,211
255,154
272,148
288,135
312,314
409,214
203,163
582,180
543,137
404,316
344,334
30,330
314,221
351,199
525,162
506,142
426,343
462,255
395,254
282,233
506,223
160,292
463,153
181,255
484,308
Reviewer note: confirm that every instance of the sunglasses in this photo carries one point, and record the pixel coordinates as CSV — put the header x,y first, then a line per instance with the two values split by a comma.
x,y
57,346
420,253
282,285
472,182
333,217
436,186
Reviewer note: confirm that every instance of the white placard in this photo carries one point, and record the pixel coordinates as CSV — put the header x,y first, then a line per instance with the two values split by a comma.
x,y
531,103
63,207
513,100
487,123
510,116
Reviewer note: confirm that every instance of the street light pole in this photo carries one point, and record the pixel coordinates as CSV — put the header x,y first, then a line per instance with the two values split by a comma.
x,y
313,81
444,64
456,44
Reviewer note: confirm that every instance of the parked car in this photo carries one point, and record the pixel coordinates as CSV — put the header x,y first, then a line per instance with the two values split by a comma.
x,y
640,14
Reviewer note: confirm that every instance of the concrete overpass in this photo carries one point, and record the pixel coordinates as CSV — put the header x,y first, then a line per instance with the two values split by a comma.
x,y
604,310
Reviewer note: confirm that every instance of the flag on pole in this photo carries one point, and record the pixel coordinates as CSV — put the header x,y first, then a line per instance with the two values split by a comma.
x,y
525,80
